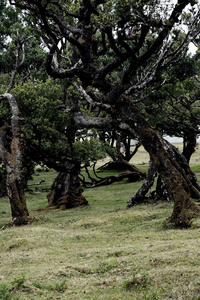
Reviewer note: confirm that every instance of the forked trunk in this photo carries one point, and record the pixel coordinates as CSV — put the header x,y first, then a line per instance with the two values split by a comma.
x,y
174,178
66,191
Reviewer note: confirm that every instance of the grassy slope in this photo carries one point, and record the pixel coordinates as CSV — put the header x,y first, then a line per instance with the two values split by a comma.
x,y
102,251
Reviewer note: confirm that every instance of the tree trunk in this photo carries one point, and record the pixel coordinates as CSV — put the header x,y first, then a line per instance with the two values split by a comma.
x,y
174,177
17,199
161,192
140,196
13,163
3,190
189,144
66,191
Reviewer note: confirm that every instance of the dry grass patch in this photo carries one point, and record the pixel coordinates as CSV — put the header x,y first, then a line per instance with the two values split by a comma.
x,y
101,255
102,251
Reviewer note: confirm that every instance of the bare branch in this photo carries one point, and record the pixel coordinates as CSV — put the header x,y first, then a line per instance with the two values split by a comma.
x,y
3,227
91,122
89,99
149,76
68,73
180,122
19,47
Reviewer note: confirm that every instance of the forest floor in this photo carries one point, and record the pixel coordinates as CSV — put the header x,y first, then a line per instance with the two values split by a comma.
x,y
101,251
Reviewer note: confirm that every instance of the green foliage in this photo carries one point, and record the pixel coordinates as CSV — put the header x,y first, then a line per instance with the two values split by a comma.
x,y
4,82
89,150
8,17
111,151
4,291
120,12
8,290
184,70
19,280
138,282
107,265
178,99
71,7
14,25
39,101
52,138
46,133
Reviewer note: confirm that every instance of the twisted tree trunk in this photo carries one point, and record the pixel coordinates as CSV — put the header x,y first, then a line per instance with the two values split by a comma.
x,y
66,191
13,164
140,196
178,184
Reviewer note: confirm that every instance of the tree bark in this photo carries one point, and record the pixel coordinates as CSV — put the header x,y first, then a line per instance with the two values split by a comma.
x,y
161,192
189,144
13,163
3,190
66,191
17,199
140,196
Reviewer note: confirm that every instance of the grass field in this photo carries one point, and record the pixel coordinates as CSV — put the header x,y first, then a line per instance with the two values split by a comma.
x,y
102,251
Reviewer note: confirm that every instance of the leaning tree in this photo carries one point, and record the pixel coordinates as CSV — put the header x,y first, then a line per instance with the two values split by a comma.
x,y
134,40
177,105
11,151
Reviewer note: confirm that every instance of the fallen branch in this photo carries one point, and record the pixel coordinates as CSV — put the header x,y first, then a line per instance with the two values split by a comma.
x,y
2,228
37,183
131,176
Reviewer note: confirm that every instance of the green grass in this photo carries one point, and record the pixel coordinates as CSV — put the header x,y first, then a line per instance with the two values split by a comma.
x,y
102,251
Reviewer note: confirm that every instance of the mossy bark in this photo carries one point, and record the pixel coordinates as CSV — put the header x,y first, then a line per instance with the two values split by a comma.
x,y
16,194
13,163
189,144
175,181
66,191
15,189
3,190
140,196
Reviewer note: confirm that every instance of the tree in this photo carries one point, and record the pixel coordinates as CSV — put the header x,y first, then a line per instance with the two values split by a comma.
x,y
13,159
55,141
177,105
12,137
37,130
116,56
13,163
